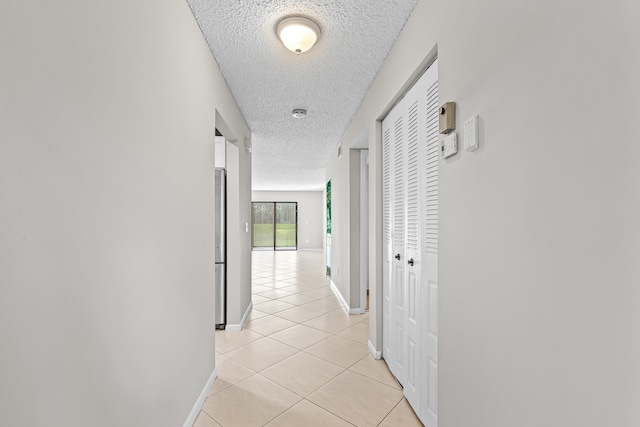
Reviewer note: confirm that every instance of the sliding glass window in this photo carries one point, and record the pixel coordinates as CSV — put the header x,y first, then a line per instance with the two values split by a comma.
x,y
275,225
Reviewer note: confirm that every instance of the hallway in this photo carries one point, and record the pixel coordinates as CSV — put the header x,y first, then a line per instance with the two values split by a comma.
x,y
301,360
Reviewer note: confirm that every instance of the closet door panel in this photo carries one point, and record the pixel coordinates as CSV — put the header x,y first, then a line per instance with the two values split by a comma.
x,y
410,159
428,413
398,294
412,313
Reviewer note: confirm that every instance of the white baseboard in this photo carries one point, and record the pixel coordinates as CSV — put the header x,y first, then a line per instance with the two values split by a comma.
x,y
375,353
338,295
203,396
348,309
237,327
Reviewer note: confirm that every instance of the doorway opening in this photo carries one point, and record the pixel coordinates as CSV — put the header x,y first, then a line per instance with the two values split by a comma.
x,y
274,226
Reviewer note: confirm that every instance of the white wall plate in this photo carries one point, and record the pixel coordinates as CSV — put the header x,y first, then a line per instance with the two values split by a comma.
x,y
471,133
449,145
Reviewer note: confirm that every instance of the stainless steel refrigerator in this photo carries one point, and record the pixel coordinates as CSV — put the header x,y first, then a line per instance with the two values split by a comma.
x,y
221,247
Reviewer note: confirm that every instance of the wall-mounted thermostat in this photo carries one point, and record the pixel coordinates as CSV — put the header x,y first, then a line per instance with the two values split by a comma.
x,y
448,117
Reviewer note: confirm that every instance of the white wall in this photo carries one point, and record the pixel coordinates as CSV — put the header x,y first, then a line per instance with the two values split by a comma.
x,y
344,173
107,115
539,229
311,211
238,235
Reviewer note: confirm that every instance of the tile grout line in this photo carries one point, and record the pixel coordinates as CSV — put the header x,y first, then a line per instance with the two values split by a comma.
x,y
315,404
276,291
389,413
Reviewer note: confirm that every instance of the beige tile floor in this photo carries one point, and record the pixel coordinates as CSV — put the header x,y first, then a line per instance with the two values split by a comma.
x,y
301,359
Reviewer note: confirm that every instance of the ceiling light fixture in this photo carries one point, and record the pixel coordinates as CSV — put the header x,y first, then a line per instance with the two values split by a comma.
x,y
299,113
298,34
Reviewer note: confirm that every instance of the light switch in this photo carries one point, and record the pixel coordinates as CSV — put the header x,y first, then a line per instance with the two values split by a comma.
x,y
449,145
471,133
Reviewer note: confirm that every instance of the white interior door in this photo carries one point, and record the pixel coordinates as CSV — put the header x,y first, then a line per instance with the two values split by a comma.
x,y
394,242
413,264
410,186
394,190
429,299
398,295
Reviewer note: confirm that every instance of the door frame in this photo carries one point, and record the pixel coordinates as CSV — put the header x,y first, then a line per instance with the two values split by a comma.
x,y
376,244
377,329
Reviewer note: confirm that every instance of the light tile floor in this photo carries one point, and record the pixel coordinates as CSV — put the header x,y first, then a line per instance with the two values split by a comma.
x,y
301,359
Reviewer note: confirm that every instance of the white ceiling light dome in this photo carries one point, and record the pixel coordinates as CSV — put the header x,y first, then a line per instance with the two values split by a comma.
x,y
297,33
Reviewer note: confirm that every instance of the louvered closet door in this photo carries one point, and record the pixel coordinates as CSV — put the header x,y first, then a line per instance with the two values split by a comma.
x,y
394,237
398,289
410,161
429,281
394,334
412,315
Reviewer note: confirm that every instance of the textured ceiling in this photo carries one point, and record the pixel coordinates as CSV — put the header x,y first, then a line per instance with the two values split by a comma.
x,y
268,81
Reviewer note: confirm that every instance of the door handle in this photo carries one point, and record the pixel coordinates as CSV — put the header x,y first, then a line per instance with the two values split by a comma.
x,y
410,262
397,257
